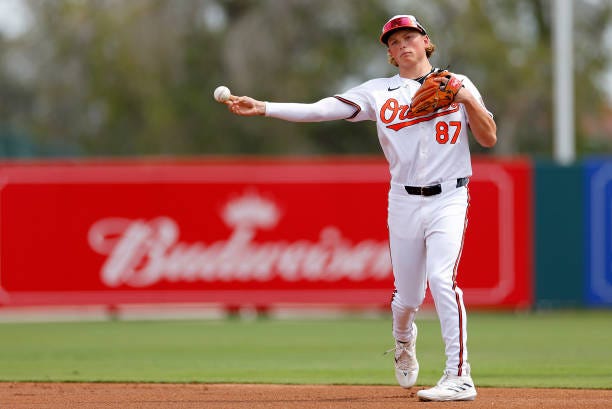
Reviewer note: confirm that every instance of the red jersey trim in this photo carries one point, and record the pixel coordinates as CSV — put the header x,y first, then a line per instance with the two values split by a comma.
x,y
351,103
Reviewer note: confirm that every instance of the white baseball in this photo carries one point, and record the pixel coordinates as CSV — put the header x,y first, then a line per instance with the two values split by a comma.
x,y
222,93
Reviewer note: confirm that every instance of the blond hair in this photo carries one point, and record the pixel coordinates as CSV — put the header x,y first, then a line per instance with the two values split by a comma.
x,y
429,50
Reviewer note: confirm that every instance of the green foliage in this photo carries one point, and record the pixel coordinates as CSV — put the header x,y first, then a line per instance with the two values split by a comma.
x,y
523,350
136,77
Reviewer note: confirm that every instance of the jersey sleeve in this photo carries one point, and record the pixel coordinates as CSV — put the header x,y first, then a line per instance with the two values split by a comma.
x,y
327,109
362,100
469,85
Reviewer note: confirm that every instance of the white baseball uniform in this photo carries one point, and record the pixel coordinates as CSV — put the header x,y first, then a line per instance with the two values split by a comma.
x,y
429,160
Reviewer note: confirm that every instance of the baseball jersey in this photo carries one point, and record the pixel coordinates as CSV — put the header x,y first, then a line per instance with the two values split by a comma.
x,y
421,151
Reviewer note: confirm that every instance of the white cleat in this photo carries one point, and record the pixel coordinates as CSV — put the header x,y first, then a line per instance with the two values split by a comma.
x,y
450,388
406,364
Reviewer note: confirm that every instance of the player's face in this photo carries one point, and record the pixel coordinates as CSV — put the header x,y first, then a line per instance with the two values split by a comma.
x,y
407,46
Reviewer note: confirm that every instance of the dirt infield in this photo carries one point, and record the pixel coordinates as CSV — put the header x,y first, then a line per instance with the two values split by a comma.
x,y
144,396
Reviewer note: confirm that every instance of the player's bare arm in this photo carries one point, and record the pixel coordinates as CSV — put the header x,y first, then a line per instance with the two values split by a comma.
x,y
483,127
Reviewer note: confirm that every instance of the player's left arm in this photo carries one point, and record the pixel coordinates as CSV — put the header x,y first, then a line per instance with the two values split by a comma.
x,y
481,122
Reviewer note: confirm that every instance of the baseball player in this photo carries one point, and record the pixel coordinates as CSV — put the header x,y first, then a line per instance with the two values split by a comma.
x,y
430,166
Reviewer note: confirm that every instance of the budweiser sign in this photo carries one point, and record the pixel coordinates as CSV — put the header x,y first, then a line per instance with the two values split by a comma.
x,y
239,232
141,253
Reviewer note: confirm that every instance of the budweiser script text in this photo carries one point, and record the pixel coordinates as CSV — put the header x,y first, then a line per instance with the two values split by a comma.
x,y
142,253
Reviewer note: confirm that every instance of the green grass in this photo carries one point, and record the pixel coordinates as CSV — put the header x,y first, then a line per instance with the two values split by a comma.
x,y
528,350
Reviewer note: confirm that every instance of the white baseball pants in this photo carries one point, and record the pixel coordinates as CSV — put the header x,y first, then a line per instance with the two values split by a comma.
x,y
426,239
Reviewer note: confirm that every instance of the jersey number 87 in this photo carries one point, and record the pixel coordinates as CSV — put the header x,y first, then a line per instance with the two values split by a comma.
x,y
442,131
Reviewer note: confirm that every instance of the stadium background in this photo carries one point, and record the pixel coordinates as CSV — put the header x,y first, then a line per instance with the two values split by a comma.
x,y
94,89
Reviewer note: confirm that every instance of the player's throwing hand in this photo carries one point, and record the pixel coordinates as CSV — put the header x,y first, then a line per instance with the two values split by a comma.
x,y
246,106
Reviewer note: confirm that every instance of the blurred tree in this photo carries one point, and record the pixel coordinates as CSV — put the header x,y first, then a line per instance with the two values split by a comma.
x,y
114,77
14,104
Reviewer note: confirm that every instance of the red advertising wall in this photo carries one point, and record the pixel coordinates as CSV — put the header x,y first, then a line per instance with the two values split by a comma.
x,y
238,231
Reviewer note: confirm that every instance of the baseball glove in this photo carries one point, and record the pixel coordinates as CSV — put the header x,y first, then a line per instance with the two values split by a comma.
x,y
434,95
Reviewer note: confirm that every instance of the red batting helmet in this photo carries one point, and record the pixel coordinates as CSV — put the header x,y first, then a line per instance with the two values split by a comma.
x,y
398,22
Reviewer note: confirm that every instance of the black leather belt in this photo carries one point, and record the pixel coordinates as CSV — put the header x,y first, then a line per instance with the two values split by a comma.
x,y
433,189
